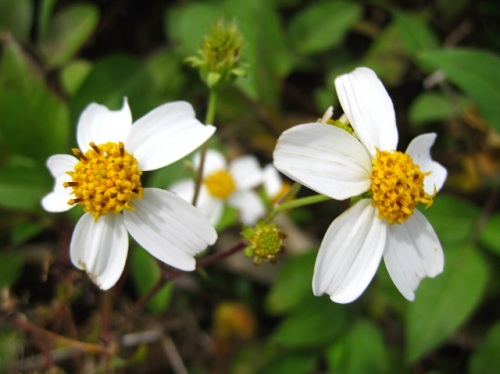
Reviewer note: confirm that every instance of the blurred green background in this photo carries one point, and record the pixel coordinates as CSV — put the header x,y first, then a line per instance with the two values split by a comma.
x,y
439,61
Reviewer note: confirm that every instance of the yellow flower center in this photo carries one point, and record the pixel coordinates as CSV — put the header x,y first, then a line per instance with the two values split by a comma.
x,y
397,186
220,184
105,179
265,242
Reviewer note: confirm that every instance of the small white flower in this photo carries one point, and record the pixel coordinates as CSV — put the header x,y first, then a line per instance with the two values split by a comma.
x,y
106,180
274,186
222,183
384,223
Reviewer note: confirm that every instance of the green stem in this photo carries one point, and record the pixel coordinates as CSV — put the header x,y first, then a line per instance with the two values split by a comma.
x,y
297,203
209,119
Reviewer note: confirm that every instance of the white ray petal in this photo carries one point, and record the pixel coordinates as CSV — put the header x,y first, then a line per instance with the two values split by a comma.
x,y
272,181
350,253
249,205
246,172
420,151
369,109
412,252
214,161
169,228
166,134
100,125
57,200
324,158
100,248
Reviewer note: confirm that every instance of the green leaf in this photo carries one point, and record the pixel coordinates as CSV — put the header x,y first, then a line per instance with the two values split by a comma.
x,y
361,350
292,285
476,73
145,274
168,78
23,231
443,304
452,218
485,359
415,33
386,56
322,25
489,236
110,80
67,33
318,322
44,16
16,17
291,362
11,264
21,188
434,107
74,74
35,122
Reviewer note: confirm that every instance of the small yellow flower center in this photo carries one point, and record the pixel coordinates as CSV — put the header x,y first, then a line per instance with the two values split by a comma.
x,y
220,184
105,179
397,186
265,242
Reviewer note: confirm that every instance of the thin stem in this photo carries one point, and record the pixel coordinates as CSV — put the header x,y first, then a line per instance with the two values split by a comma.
x,y
27,326
209,119
296,203
174,273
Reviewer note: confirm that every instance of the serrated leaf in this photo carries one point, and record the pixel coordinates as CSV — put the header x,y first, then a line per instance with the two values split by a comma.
x,y
444,303
145,274
434,107
16,17
361,350
489,235
312,31
452,218
415,33
475,72
292,285
318,322
485,359
67,33
35,122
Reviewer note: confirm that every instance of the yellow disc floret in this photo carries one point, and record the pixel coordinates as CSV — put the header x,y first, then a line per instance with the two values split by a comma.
x,y
220,184
265,242
105,179
397,186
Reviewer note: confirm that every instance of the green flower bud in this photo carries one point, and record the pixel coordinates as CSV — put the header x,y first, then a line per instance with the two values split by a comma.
x,y
219,59
265,242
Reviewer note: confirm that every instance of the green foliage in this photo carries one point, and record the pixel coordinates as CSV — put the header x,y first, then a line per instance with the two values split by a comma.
x,y
475,72
361,350
11,264
435,107
489,235
292,286
485,359
145,274
322,25
443,304
67,32
16,17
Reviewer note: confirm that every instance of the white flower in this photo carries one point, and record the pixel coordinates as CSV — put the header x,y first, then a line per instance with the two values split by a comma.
x,y
274,186
384,222
106,180
222,183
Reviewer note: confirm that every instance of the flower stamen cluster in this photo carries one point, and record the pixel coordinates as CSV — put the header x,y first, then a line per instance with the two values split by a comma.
x,y
105,180
265,242
220,184
397,186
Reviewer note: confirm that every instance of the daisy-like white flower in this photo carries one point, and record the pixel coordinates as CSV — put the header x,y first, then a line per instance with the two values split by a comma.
x,y
274,185
105,179
384,222
222,182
